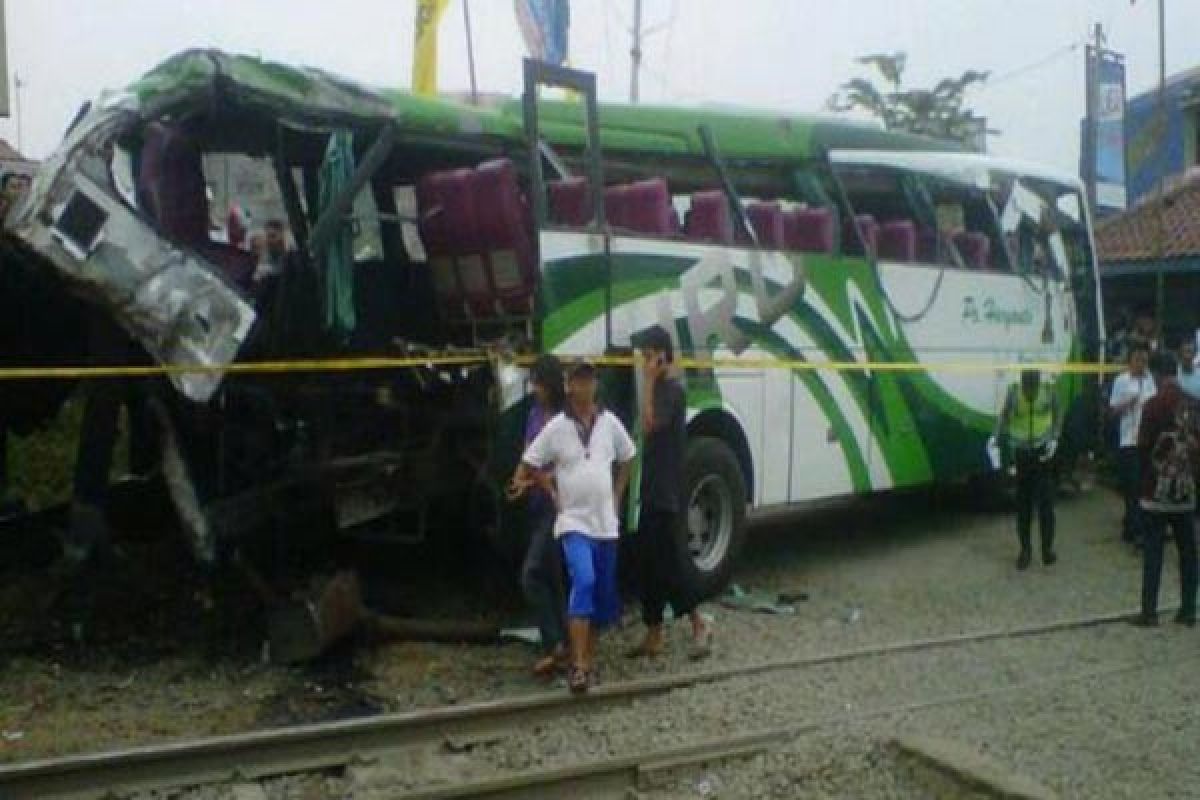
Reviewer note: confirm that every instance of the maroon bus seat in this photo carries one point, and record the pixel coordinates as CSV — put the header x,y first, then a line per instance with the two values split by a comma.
x,y
975,248
931,246
171,189
864,226
443,226
505,236
767,220
898,240
709,219
569,202
809,230
478,234
171,186
616,205
647,208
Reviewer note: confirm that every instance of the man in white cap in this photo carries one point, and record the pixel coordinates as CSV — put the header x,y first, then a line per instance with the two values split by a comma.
x,y
583,458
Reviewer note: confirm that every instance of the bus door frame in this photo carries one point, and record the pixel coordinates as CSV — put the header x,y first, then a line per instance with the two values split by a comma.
x,y
538,74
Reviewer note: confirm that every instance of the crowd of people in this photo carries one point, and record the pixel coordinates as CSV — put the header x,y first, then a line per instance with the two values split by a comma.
x,y
573,475
1153,407
1156,400
576,466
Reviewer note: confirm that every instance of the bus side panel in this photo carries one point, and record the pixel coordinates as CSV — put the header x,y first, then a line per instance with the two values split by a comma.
x,y
774,482
961,323
742,391
727,298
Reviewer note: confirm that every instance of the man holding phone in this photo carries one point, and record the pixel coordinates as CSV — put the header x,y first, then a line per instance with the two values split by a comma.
x,y
659,540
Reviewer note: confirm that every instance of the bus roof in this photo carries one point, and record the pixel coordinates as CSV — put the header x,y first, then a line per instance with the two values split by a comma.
x,y
968,167
308,93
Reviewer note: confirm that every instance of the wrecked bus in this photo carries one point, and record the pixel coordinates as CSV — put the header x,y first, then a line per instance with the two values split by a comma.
x,y
454,241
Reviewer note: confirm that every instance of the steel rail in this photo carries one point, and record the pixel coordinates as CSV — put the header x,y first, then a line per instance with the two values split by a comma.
x,y
249,756
621,772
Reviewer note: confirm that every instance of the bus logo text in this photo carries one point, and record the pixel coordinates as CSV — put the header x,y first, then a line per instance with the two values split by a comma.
x,y
989,312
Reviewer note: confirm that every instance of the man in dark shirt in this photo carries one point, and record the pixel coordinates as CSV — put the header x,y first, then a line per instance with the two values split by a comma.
x,y
659,543
1168,443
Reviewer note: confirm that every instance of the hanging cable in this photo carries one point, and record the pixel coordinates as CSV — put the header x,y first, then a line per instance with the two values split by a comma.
x,y
1044,61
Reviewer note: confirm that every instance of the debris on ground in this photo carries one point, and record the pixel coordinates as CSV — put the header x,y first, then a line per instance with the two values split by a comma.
x,y
531,636
763,602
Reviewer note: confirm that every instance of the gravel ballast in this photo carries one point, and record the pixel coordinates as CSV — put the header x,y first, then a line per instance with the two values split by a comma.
x,y
881,571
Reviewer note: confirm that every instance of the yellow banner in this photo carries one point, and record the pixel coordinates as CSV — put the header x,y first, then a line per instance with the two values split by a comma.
x,y
425,45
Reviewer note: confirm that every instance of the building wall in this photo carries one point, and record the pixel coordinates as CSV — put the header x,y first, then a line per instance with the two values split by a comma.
x,y
1149,157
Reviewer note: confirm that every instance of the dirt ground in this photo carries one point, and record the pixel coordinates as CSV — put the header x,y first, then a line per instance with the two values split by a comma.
x,y
159,665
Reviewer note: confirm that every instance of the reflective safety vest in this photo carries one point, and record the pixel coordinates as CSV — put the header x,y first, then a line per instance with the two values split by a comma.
x,y
1032,420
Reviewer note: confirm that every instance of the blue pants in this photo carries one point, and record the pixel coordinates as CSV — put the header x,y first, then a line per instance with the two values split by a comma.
x,y
592,567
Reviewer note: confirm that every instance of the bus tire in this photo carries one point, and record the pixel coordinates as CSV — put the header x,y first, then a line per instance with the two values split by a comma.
x,y
714,516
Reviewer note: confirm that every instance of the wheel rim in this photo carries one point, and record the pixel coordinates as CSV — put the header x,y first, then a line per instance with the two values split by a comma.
x,y
710,522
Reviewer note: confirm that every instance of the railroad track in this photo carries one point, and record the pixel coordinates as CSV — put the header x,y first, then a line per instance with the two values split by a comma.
x,y
309,748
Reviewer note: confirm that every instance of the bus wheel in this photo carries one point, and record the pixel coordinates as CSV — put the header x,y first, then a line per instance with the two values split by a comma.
x,y
715,515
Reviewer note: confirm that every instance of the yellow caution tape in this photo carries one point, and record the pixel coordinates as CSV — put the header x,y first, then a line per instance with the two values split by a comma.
x,y
869,366
250,367
434,361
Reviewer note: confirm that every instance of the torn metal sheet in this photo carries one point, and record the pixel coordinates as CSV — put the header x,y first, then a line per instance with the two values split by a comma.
x,y
171,301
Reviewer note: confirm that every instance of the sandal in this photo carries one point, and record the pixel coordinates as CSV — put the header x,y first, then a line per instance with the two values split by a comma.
x,y
702,645
550,665
577,679
644,650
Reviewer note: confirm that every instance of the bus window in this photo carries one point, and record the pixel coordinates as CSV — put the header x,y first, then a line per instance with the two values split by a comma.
x,y
927,218
1044,228
966,222
894,211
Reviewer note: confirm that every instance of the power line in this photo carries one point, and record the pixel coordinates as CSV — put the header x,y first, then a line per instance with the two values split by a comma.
x,y
1044,61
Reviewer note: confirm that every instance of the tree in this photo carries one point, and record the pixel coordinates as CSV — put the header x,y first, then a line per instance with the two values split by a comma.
x,y
936,112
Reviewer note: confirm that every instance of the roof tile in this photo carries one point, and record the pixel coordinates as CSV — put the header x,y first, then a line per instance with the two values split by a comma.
x,y
1135,235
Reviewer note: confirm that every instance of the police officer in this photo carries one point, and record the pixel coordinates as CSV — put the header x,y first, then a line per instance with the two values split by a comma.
x,y
1029,425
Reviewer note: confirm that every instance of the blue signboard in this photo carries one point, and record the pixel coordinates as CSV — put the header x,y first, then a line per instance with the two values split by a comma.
x,y
1109,111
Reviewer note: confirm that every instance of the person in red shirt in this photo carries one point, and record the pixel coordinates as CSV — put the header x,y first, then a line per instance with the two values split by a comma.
x,y
1169,448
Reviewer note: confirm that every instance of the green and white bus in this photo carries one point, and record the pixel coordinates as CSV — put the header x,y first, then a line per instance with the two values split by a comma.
x,y
467,238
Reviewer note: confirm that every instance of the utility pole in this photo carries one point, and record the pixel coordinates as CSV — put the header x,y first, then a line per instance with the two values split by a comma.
x,y
1092,55
470,51
18,85
635,53
1160,278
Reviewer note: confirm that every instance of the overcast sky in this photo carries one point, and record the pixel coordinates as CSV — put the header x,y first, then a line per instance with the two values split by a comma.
x,y
783,54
